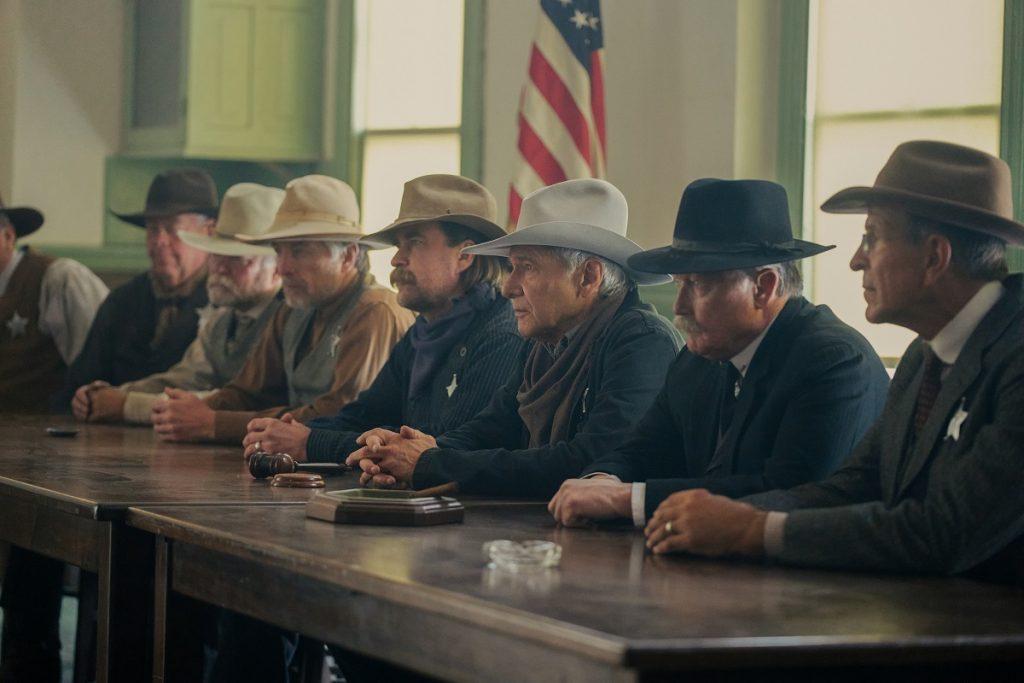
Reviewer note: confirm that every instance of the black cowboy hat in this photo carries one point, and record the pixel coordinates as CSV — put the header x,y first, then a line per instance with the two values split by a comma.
x,y
180,190
25,220
728,225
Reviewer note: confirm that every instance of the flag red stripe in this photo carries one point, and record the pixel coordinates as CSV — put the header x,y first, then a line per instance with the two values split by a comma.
x,y
597,99
537,155
515,203
561,100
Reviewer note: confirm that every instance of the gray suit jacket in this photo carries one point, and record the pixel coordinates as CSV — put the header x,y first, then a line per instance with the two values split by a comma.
x,y
942,504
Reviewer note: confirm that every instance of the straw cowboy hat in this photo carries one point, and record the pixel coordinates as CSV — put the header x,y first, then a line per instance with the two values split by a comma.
x,y
180,190
728,225
587,214
949,183
444,197
315,207
25,220
246,209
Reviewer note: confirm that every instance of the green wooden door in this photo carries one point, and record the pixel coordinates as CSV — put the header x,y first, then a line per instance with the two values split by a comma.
x,y
255,79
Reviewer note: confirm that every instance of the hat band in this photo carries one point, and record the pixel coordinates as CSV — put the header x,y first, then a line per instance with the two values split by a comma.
x,y
762,247
296,216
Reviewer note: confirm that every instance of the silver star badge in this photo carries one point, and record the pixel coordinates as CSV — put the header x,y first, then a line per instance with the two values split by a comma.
x,y
453,386
17,325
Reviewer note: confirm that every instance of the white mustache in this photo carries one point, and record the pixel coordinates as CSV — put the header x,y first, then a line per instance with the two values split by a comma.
x,y
688,326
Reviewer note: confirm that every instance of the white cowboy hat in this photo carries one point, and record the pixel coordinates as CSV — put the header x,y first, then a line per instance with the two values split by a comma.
x,y
586,214
316,207
246,209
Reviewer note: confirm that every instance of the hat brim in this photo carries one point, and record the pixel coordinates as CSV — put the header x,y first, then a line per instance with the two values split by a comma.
x,y
860,199
319,231
670,260
25,220
565,235
486,229
139,219
223,246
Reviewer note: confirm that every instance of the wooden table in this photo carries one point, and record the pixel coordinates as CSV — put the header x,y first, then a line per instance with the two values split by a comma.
x,y
423,598
66,498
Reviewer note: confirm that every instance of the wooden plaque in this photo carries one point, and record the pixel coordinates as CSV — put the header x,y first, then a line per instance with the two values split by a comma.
x,y
384,507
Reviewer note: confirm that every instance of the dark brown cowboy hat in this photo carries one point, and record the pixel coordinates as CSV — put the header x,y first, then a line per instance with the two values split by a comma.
x,y
25,220
949,183
180,190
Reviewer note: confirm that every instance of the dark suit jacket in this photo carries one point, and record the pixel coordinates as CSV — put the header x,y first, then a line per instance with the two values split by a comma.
x,y
490,454
812,389
940,504
118,347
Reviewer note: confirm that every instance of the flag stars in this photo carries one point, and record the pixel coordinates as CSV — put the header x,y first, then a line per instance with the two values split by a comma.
x,y
580,19
592,20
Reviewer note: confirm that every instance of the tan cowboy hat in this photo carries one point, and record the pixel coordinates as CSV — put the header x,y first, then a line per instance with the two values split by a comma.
x,y
246,209
315,207
444,197
179,190
585,214
950,183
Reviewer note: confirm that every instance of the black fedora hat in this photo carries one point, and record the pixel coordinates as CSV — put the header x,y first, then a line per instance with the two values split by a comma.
x,y
25,220
179,190
728,225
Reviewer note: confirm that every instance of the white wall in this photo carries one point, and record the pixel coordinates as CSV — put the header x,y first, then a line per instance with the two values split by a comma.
x,y
685,97
67,73
671,94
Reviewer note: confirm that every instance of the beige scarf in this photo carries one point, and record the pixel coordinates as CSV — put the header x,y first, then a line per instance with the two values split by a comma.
x,y
552,386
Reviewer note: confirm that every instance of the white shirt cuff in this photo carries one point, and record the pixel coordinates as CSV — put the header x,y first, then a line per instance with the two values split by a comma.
x,y
636,502
774,533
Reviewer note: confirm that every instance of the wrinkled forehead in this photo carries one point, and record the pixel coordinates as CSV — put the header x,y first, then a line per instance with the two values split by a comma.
x,y
310,248
533,253
177,220
886,217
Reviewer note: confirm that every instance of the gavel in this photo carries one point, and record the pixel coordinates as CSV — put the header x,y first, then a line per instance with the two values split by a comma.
x,y
263,465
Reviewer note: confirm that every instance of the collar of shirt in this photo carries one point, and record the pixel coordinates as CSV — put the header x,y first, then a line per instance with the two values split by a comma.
x,y
950,340
741,361
5,276
563,343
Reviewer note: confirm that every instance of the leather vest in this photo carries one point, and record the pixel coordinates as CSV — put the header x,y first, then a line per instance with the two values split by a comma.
x,y
31,368
313,375
228,356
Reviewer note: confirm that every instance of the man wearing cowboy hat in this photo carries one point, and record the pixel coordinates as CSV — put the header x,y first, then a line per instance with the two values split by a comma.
x,y
146,324
595,362
463,346
320,350
242,284
770,390
46,308
935,485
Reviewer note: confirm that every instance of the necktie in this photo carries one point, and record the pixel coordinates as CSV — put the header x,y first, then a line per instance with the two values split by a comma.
x,y
931,383
729,393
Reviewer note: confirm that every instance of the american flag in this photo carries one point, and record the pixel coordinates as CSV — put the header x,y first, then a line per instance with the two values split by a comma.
x,y
561,110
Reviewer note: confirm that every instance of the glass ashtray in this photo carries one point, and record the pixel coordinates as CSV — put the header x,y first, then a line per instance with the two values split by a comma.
x,y
522,556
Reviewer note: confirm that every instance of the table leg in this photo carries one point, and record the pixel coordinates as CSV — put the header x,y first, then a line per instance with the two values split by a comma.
x,y
124,610
161,591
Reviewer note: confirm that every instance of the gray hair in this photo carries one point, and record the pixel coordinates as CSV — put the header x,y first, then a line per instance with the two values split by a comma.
x,y
978,255
337,250
615,280
791,282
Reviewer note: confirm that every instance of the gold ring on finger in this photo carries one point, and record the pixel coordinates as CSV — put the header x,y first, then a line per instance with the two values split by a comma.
x,y
668,528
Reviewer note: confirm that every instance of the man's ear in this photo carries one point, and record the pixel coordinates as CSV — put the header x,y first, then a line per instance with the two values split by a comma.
x,y
766,286
590,276
938,255
465,260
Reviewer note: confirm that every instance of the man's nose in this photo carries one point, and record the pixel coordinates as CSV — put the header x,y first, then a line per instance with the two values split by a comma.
x,y
510,288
